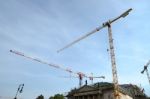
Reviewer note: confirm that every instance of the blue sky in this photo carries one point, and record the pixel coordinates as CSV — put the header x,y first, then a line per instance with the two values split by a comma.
x,y
39,28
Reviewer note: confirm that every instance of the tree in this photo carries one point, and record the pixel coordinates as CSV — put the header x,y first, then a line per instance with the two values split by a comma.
x,y
51,97
40,97
57,96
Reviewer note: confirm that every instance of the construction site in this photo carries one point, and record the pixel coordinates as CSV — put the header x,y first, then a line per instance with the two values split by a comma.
x,y
103,67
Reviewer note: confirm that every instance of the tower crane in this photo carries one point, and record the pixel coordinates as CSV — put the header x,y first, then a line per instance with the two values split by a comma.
x,y
89,77
111,47
93,77
79,74
145,69
19,90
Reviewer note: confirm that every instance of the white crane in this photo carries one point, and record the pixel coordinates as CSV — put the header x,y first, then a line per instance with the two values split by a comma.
x,y
79,74
145,69
111,47
93,77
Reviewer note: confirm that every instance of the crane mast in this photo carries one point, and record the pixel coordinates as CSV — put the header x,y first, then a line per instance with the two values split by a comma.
x,y
80,79
145,69
113,61
148,75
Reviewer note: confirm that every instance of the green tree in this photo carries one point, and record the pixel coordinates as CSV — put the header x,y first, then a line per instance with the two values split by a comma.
x,y
51,97
57,96
40,97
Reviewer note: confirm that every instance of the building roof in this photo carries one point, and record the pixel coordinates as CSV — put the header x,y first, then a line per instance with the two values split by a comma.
x,y
129,89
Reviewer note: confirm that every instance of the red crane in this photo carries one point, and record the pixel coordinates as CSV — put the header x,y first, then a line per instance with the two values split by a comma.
x,y
79,74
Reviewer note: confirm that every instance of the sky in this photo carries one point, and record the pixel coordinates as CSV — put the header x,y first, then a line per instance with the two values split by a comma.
x,y
39,28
